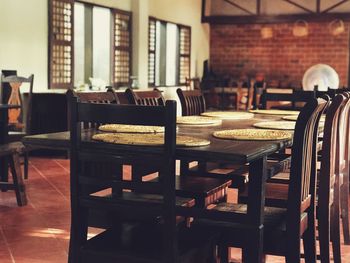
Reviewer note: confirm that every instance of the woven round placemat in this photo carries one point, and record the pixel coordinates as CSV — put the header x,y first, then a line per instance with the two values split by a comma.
x,y
276,112
253,134
290,117
149,139
122,128
229,115
276,125
295,117
197,120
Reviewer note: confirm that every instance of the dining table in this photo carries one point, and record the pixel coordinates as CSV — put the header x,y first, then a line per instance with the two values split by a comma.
x,y
4,128
239,152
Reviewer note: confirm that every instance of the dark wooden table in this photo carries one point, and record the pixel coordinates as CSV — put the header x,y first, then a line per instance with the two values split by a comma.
x,y
4,136
236,152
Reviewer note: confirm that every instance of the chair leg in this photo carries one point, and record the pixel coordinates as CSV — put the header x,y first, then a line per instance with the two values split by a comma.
x,y
293,253
324,235
223,253
344,204
16,172
335,225
309,241
26,157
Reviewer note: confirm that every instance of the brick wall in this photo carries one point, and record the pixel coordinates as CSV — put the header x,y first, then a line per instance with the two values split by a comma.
x,y
239,49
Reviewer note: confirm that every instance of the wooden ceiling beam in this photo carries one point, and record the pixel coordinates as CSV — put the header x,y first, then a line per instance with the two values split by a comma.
x,y
272,19
239,7
299,6
334,6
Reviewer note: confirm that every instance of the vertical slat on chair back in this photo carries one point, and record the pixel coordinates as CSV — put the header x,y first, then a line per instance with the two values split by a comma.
x,y
303,165
162,156
329,151
192,102
148,98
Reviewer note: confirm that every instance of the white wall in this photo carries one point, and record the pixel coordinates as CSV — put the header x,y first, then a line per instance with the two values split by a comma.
x,y
24,38
24,34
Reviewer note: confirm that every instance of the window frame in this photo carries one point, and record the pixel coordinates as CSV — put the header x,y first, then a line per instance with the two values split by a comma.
x,y
52,42
152,19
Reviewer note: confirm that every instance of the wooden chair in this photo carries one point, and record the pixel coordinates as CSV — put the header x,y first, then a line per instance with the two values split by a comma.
x,y
205,190
283,227
145,97
148,229
329,184
192,102
19,123
343,155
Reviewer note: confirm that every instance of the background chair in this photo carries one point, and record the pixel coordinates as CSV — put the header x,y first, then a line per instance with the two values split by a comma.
x,y
18,121
148,229
205,190
145,97
283,228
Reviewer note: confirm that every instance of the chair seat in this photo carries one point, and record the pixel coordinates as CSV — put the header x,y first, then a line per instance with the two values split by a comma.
x,y
276,195
10,148
205,190
144,243
235,233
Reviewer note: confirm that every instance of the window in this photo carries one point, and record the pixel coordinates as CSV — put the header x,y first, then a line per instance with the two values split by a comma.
x,y
101,45
169,51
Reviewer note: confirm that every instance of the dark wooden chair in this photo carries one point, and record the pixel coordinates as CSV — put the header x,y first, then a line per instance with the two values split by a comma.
x,y
330,181
147,229
328,213
283,227
18,121
343,155
192,102
205,190
145,97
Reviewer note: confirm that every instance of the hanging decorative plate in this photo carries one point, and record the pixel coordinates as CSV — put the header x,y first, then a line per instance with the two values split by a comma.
x,y
253,134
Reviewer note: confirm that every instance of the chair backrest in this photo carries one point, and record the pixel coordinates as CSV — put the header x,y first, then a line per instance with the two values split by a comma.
x,y
293,96
107,97
5,90
16,115
84,150
192,102
145,97
301,192
330,151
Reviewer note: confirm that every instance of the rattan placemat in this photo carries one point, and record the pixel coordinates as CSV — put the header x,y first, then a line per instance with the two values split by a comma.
x,y
295,117
122,128
276,125
290,117
229,115
149,139
276,112
197,120
253,134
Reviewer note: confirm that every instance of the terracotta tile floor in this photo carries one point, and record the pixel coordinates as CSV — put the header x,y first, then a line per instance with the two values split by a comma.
x,y
39,232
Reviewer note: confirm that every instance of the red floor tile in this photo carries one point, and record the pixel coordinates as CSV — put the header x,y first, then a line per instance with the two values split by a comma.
x,y
39,232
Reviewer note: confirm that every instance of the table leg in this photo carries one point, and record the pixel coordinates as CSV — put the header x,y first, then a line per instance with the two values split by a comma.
x,y
256,203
